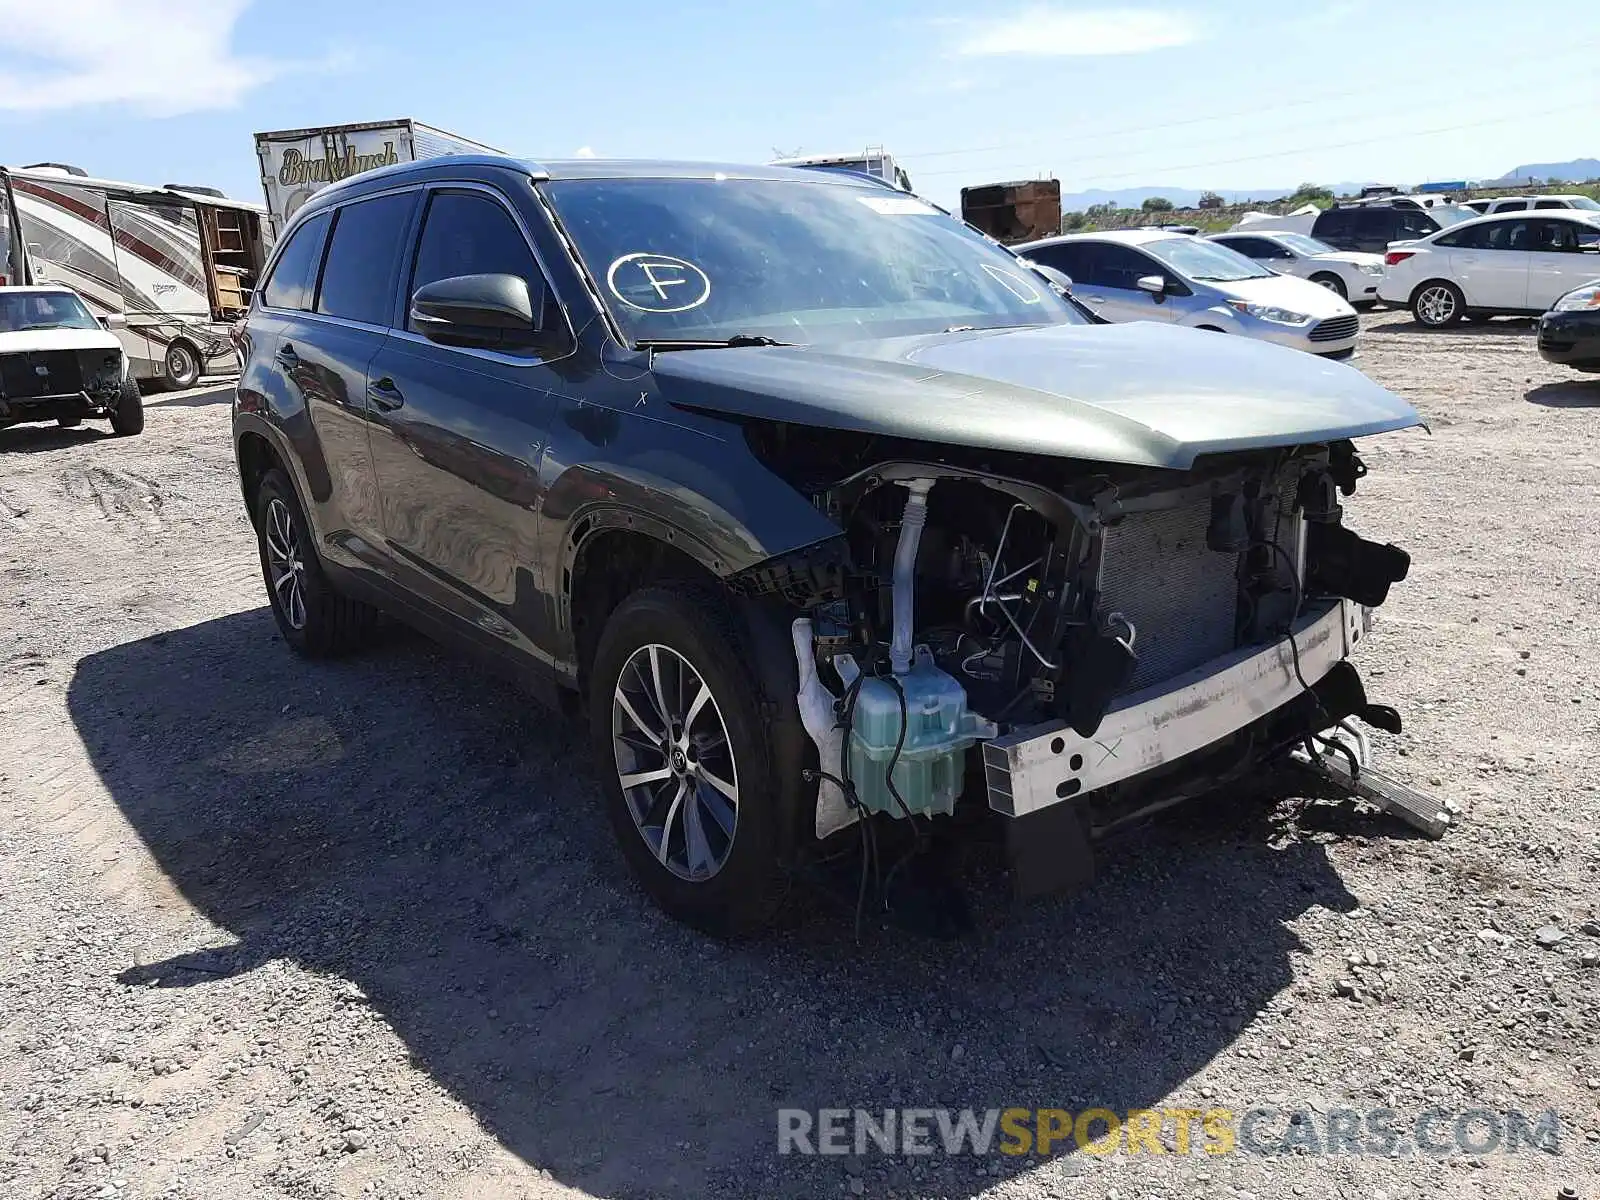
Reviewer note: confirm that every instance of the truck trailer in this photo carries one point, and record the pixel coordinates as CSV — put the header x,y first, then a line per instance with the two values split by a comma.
x,y
297,163
165,267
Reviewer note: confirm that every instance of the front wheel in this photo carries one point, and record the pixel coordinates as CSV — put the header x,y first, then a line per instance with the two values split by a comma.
x,y
127,418
1437,304
312,617
1333,283
683,750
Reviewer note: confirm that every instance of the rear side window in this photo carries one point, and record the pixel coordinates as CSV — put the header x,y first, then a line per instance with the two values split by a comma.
x,y
469,233
1336,222
358,277
1471,238
1511,206
1551,204
295,272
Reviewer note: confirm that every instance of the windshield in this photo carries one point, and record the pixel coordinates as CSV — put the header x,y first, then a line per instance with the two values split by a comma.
x,y
43,310
713,259
1585,203
1208,261
1451,214
1305,245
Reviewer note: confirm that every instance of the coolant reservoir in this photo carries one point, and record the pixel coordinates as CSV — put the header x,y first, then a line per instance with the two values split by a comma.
x,y
938,729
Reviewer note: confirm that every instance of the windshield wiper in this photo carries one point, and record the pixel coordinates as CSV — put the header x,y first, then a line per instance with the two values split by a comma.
x,y
738,339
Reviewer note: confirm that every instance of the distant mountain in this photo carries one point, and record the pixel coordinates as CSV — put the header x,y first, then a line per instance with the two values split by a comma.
x,y
1133,197
1577,171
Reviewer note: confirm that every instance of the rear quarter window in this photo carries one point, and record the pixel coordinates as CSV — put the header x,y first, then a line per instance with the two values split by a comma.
x,y
294,274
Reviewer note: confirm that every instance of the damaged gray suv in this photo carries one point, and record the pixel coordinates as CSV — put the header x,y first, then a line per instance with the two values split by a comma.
x,y
843,528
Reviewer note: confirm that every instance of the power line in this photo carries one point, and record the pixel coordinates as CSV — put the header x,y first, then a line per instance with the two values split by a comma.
x,y
1521,116
1583,50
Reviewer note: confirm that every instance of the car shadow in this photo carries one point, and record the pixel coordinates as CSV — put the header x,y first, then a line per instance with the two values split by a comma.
x,y
1569,393
438,840
32,439
1498,325
221,393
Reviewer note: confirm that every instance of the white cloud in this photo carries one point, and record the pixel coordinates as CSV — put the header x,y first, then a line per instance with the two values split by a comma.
x,y
584,152
163,57
1054,32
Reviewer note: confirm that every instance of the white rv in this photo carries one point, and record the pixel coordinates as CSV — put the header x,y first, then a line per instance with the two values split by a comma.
x,y
873,161
296,163
167,267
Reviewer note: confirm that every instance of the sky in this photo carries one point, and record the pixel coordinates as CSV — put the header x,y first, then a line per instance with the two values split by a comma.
x,y
1234,95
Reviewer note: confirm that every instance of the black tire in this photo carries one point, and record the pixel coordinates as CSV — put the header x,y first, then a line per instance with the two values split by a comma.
x,y
1332,282
745,890
1437,304
183,366
127,418
317,622
69,422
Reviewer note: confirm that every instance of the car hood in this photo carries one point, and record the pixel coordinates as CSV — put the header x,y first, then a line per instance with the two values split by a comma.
x,y
58,339
1139,393
1285,291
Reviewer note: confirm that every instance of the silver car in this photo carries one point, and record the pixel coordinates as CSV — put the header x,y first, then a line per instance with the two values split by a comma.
x,y
1153,275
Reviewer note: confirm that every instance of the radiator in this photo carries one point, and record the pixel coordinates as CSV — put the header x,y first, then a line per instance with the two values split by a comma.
x,y
1181,596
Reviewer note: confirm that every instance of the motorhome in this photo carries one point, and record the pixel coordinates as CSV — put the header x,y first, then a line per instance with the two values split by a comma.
x,y
873,161
167,267
297,163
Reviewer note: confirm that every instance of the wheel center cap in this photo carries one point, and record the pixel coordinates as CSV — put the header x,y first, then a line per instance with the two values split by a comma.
x,y
679,763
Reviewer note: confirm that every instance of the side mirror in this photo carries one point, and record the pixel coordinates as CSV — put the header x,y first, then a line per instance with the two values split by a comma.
x,y
113,321
1156,285
1056,278
492,312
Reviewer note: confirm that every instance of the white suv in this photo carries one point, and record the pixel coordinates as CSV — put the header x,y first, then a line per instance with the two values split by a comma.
x,y
1501,204
1507,264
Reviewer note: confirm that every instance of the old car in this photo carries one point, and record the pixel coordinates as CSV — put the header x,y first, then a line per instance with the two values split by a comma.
x,y
837,523
57,363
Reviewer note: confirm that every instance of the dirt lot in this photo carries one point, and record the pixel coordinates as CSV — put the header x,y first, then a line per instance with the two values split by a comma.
x,y
358,929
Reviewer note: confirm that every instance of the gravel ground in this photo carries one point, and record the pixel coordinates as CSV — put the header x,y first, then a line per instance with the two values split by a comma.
x,y
274,929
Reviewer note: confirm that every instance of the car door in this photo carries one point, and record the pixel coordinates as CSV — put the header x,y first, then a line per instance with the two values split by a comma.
x,y
325,328
1495,273
458,433
1562,255
1115,293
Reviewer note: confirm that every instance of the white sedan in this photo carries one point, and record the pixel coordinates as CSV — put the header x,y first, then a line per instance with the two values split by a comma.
x,y
1150,275
1508,264
1349,274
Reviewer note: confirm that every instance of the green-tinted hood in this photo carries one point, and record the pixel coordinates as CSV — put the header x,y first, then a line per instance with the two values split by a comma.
x,y
1140,393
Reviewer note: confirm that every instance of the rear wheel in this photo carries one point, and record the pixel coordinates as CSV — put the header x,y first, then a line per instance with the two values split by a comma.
x,y
1438,303
676,721
313,618
1333,283
127,418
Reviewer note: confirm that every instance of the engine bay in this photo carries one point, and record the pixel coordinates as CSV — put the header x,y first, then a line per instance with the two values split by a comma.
x,y
969,602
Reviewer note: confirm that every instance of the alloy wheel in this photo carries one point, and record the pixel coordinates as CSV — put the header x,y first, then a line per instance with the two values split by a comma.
x,y
286,563
1436,305
674,762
